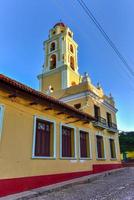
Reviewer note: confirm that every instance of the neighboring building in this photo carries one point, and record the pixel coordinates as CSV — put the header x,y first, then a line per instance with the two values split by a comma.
x,y
126,140
43,140
128,156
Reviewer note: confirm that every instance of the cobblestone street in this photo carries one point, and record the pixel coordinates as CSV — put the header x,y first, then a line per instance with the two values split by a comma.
x,y
118,186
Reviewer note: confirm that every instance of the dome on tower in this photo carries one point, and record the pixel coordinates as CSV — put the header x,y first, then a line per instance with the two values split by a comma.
x,y
60,24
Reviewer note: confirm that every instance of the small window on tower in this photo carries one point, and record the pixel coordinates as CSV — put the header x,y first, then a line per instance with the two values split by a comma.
x,y
69,34
52,46
54,32
63,57
72,63
71,48
53,62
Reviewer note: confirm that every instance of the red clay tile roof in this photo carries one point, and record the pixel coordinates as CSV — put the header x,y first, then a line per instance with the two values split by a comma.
x,y
41,96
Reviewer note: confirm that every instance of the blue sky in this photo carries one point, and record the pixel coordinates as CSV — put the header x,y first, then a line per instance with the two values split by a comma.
x,y
24,25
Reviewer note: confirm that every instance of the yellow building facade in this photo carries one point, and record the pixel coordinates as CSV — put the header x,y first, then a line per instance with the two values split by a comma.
x,y
66,130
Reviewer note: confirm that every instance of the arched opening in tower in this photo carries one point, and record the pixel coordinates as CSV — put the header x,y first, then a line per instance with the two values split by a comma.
x,y
72,63
52,47
71,48
53,62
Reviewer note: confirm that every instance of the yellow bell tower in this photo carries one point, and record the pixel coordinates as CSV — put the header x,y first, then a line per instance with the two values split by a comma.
x,y
60,68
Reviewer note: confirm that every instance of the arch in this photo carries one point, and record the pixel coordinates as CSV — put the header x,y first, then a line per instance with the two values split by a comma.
x,y
52,46
54,32
71,48
53,61
72,62
69,34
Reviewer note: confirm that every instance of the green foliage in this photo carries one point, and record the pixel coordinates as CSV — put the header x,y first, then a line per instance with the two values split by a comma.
x,y
126,140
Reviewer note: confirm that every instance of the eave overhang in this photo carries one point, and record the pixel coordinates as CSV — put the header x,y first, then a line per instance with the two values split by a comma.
x,y
18,89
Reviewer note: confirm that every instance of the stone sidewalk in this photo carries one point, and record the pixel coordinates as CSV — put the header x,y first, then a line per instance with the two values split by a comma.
x,y
117,186
111,185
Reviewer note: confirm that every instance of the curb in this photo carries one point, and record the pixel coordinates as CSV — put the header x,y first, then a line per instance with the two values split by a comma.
x,y
62,185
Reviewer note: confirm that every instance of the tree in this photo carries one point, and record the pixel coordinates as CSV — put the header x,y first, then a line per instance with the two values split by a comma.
x,y
126,140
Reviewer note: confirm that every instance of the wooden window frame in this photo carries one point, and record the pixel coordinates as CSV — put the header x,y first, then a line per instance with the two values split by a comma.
x,y
109,118
114,158
104,146
75,148
99,111
90,148
34,138
1,119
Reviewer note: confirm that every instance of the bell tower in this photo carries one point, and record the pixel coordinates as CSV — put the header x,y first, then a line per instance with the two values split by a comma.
x,y
60,68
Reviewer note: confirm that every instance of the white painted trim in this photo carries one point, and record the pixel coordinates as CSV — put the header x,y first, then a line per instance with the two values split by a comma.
x,y
68,78
64,79
40,84
44,157
100,134
104,139
2,108
85,94
34,138
90,149
73,97
61,41
117,146
90,140
75,146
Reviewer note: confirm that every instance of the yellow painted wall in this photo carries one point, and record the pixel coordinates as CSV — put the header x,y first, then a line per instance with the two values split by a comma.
x,y
73,77
130,154
90,107
55,80
17,139
86,100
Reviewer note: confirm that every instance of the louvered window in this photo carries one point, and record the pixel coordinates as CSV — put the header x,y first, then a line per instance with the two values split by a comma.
x,y
84,145
112,148
68,149
44,138
100,146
